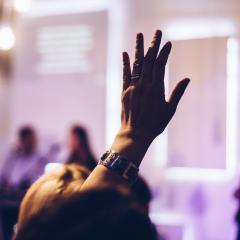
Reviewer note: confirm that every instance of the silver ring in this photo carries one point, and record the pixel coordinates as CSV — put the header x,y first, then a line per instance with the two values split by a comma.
x,y
136,64
135,76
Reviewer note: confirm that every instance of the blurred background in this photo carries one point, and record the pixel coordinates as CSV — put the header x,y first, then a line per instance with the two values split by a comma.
x,y
60,65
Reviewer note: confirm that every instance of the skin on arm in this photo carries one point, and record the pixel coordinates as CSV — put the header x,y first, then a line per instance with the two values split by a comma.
x,y
145,110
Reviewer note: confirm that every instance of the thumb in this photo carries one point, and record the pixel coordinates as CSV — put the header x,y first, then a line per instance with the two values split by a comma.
x,y
178,93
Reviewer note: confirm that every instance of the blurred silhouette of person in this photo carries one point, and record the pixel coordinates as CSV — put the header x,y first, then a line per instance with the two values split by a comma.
x,y
237,217
53,198
62,183
80,151
47,196
22,166
97,214
52,189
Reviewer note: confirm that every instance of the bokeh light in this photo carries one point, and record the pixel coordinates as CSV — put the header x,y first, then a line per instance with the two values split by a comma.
x,y
7,38
22,5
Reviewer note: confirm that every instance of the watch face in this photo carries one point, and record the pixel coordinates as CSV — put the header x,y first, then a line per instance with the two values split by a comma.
x,y
105,155
112,156
110,159
120,164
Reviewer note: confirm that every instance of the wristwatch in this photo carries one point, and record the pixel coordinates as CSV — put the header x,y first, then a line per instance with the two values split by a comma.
x,y
119,164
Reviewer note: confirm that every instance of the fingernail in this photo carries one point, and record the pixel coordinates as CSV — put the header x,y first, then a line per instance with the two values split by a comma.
x,y
124,54
139,38
158,32
156,37
169,44
187,81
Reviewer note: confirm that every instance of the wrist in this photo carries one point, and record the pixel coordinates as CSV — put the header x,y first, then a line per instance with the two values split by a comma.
x,y
133,146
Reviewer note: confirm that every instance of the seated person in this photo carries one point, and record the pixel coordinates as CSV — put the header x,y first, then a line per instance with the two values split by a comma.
x,y
22,166
80,151
99,210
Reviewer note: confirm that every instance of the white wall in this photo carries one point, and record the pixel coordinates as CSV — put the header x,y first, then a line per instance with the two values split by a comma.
x,y
178,19
183,20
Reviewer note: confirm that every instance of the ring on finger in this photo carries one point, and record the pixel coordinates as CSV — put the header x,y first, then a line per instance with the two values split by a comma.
x,y
135,76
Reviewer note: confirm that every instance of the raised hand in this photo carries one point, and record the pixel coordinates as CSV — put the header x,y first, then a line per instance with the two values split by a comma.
x,y
145,110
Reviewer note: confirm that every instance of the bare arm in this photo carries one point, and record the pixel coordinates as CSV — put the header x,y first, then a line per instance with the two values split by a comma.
x,y
145,110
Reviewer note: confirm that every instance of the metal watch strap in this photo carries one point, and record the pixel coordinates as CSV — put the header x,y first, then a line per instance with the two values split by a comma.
x,y
119,164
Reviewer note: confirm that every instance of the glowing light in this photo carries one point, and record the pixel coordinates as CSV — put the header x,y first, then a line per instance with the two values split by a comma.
x,y
175,219
52,167
22,5
200,28
197,174
160,145
56,7
232,99
7,38
219,175
113,110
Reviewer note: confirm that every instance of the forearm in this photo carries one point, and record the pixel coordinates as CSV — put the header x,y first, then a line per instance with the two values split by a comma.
x,y
145,111
129,145
102,177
